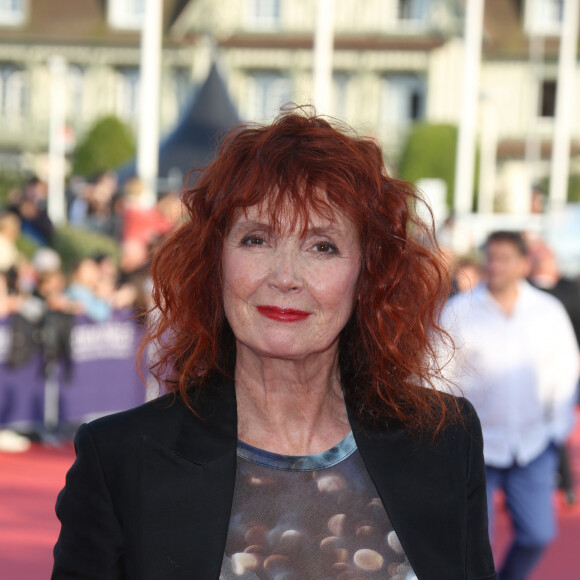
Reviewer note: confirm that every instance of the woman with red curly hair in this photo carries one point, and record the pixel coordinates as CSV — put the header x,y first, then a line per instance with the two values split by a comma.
x,y
301,437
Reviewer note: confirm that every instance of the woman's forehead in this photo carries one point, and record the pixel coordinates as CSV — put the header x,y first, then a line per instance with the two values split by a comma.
x,y
289,218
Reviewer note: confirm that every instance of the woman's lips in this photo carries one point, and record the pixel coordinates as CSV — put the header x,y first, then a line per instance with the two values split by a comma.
x,y
283,314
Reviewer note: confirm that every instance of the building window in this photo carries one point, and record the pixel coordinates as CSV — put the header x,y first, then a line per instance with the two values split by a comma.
x,y
268,91
548,99
263,14
127,98
13,94
12,12
126,14
403,100
340,82
182,88
544,17
76,79
413,11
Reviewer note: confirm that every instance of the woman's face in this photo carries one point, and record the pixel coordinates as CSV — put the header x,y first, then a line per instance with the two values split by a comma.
x,y
288,294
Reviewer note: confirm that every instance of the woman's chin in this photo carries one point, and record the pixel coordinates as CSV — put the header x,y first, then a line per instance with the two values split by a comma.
x,y
282,352
287,352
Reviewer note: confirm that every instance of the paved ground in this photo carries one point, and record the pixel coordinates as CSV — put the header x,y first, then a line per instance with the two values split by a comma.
x,y
29,483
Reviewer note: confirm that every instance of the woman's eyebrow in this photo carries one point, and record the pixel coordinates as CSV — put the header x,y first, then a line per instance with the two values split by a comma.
x,y
326,230
323,230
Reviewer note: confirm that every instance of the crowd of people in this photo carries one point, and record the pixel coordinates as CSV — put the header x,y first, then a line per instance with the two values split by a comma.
x,y
93,285
41,294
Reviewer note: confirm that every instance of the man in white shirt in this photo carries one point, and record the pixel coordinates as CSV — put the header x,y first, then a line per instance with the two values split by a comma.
x,y
517,362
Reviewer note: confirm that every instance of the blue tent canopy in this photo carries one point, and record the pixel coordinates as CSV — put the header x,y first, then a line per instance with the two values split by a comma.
x,y
192,144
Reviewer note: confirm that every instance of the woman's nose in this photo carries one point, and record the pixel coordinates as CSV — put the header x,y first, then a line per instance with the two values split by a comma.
x,y
285,274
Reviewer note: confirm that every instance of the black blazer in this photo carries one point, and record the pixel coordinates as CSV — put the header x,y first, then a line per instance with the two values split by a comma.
x,y
150,493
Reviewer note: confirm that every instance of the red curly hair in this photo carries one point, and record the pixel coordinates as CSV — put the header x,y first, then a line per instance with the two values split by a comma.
x,y
302,161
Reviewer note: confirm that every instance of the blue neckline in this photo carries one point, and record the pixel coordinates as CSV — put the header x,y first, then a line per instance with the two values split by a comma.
x,y
314,462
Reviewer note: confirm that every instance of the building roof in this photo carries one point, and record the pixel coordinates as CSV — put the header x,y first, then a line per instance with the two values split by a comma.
x,y
504,34
77,22
341,41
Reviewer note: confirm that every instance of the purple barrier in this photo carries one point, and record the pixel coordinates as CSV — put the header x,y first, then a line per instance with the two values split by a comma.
x,y
104,376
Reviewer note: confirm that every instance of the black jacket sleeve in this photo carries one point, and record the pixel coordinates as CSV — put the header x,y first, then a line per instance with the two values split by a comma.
x,y
90,544
479,558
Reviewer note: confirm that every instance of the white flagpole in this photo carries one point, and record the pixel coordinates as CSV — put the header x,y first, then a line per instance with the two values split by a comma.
x,y
323,48
488,157
56,144
148,133
465,155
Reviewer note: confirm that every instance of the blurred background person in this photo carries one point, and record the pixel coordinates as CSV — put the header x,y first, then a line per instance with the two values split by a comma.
x,y
101,216
546,275
9,234
58,313
466,274
94,205
83,289
135,262
120,294
517,362
51,282
25,320
10,303
30,207
142,223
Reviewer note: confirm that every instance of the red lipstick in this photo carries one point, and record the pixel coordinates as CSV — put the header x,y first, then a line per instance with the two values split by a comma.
x,y
282,314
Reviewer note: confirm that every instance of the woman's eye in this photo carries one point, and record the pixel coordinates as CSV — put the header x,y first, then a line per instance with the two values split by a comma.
x,y
253,241
326,248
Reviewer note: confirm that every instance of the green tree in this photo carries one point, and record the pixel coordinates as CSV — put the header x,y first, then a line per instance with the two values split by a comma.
x,y
108,144
430,153
11,179
573,187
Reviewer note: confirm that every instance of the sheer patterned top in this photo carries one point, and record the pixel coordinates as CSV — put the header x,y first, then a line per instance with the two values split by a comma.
x,y
315,517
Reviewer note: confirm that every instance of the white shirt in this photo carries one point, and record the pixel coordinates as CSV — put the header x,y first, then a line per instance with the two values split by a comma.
x,y
520,371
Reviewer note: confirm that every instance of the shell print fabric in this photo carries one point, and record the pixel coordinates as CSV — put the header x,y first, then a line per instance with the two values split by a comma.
x,y
315,517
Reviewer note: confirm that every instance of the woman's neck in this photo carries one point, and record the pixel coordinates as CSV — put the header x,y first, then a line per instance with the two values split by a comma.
x,y
290,407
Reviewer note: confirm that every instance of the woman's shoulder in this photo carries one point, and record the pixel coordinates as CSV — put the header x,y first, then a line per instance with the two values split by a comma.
x,y
457,426
458,417
453,420
155,409
169,421
156,418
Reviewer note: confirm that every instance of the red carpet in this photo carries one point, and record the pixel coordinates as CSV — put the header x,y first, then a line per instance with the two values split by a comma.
x,y
562,559
29,483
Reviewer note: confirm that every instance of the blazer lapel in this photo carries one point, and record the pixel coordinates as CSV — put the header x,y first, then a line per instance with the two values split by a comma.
x,y
187,489
420,487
